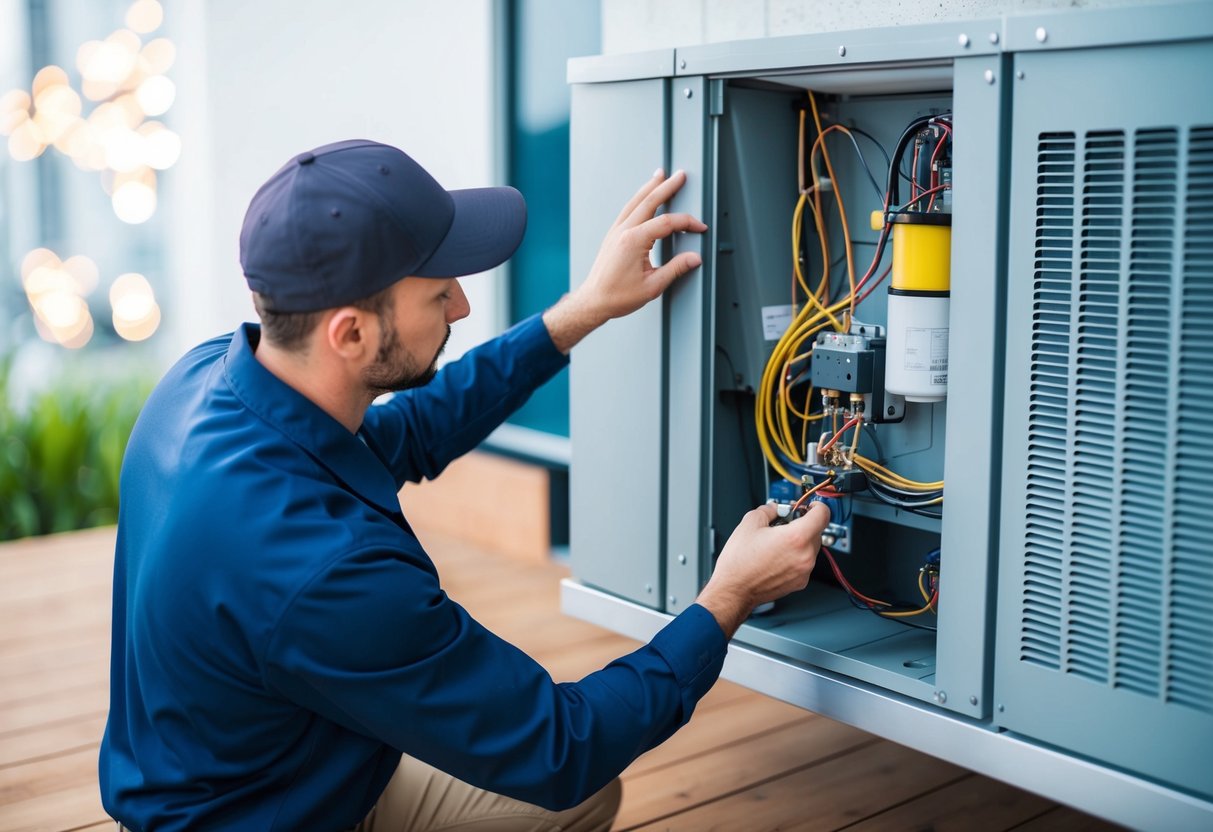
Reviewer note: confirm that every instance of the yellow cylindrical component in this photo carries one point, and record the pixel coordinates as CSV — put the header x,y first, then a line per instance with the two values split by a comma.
x,y
922,255
876,220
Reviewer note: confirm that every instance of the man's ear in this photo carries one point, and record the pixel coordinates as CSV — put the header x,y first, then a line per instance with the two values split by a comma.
x,y
347,331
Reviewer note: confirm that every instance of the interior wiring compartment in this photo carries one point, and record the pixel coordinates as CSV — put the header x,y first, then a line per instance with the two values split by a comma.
x,y
874,456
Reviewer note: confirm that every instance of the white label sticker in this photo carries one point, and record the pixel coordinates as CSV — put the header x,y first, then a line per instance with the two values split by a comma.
x,y
775,321
927,349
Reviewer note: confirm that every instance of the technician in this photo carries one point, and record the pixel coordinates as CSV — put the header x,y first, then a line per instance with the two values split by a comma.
x,y
280,637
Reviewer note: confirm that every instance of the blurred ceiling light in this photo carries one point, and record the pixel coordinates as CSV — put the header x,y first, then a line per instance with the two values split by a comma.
x,y
134,202
128,106
49,76
144,16
14,109
57,108
48,280
159,55
127,39
162,147
26,142
64,312
131,283
106,63
38,257
134,307
79,340
138,330
124,150
136,313
83,271
155,95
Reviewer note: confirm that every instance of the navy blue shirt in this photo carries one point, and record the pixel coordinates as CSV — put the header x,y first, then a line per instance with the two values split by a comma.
x,y
280,636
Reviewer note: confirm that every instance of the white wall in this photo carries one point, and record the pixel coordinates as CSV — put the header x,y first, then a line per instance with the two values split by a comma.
x,y
261,81
637,25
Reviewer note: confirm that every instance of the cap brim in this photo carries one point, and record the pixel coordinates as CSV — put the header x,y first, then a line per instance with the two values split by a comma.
x,y
488,226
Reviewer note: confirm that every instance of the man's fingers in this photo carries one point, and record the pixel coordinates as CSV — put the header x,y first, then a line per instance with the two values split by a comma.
x,y
656,179
660,227
655,198
660,279
814,521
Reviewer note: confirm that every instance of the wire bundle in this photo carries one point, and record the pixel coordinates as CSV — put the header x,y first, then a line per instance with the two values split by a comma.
x,y
776,414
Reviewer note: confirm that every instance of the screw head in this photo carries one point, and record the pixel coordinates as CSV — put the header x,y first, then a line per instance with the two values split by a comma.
x,y
682,64
1019,74
993,37
673,600
972,700
963,40
943,697
648,588
989,76
1041,34
686,91
842,51
935,696
682,559
1002,708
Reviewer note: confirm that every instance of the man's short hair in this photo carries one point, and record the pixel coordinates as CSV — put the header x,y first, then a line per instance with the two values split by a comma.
x,y
290,330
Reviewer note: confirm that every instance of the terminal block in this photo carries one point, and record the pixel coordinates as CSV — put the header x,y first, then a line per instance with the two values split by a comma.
x,y
854,362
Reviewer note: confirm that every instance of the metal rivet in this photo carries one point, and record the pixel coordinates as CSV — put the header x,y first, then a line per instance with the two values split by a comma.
x,y
989,76
935,696
1002,708
682,64
648,588
682,558
972,700
1019,74
1041,34
673,600
686,91
842,51
993,37
963,40
943,697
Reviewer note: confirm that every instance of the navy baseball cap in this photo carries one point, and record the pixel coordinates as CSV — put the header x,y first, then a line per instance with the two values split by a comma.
x,y
343,221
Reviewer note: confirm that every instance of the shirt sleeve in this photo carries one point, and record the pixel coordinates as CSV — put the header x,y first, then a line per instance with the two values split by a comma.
x,y
420,431
375,645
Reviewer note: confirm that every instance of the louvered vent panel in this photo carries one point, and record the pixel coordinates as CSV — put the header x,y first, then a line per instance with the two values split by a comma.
x,y
1138,626
1118,568
1189,672
1096,355
1047,425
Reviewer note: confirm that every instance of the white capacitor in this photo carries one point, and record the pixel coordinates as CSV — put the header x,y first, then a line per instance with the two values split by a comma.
x,y
917,363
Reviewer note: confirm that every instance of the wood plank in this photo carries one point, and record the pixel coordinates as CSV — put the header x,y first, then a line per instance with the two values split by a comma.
x,y
828,794
1065,819
740,765
711,728
953,807
48,740
53,794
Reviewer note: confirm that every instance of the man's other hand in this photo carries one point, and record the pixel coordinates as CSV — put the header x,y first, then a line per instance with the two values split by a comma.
x,y
762,562
623,278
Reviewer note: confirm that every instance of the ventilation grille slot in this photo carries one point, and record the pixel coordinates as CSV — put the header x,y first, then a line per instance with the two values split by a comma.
x,y
1190,621
1048,397
1118,548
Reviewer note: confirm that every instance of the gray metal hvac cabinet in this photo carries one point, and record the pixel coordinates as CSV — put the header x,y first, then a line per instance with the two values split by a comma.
x,y
1073,654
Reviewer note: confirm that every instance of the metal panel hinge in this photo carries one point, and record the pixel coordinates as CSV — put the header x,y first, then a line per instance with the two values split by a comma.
x,y
716,97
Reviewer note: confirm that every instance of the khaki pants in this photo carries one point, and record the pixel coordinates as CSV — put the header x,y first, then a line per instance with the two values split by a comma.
x,y
422,798
419,797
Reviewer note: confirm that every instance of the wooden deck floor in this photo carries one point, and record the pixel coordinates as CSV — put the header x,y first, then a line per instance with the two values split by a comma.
x,y
744,763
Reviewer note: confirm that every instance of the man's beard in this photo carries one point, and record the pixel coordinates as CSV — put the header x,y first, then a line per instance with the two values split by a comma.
x,y
395,369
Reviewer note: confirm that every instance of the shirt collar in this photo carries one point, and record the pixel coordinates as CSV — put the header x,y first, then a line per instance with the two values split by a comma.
x,y
287,410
